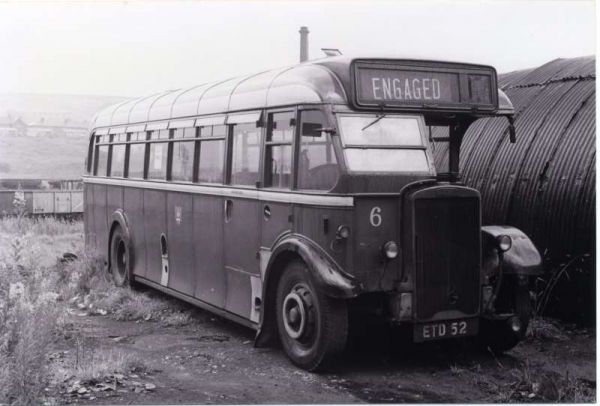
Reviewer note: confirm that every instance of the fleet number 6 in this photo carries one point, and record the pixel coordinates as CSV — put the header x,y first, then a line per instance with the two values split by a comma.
x,y
375,216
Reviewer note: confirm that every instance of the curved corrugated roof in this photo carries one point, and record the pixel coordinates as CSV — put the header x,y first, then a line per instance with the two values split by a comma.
x,y
304,83
544,184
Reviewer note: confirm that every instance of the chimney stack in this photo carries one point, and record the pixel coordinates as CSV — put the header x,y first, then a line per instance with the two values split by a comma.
x,y
303,44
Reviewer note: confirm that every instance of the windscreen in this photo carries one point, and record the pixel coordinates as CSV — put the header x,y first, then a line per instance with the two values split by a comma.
x,y
385,143
387,130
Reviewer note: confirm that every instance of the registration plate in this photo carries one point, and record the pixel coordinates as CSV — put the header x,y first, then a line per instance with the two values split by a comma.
x,y
445,329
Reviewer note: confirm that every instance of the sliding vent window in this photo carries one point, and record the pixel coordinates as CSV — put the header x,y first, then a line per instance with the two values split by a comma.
x,y
278,158
317,165
183,161
117,161
212,154
245,154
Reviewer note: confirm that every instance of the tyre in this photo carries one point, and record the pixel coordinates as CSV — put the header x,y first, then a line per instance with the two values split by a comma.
x,y
313,328
497,334
119,258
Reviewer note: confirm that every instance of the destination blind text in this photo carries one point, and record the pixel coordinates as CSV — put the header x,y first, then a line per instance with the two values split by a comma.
x,y
396,89
403,86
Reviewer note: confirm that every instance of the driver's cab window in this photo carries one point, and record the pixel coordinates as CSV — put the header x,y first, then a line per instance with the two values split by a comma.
x,y
317,165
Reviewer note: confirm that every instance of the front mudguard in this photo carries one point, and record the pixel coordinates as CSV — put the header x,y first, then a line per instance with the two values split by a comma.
x,y
327,274
521,259
509,274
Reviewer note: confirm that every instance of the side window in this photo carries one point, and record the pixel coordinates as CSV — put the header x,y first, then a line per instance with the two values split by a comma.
x,y
317,166
245,155
101,160
182,168
278,153
89,160
157,164
117,161
136,161
212,154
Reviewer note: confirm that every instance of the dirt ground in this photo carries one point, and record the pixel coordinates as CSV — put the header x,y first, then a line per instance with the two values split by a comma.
x,y
211,360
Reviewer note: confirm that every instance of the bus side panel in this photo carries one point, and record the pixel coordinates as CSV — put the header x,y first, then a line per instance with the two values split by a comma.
x,y
133,205
320,225
181,243
241,236
114,200
100,220
376,222
208,249
276,223
155,220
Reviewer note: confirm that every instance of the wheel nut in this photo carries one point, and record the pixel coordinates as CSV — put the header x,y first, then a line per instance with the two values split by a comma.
x,y
515,324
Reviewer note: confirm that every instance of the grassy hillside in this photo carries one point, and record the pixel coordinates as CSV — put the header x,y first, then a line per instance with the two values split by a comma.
x,y
42,157
31,107
51,157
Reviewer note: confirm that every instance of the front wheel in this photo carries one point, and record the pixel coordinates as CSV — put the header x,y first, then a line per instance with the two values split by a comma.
x,y
500,335
313,328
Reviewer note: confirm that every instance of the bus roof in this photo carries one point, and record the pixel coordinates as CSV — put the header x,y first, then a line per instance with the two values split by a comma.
x,y
324,80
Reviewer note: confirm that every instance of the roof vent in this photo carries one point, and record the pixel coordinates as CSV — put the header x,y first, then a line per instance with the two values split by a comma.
x,y
331,51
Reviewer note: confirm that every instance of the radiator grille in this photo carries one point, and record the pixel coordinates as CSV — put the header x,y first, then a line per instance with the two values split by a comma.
x,y
447,250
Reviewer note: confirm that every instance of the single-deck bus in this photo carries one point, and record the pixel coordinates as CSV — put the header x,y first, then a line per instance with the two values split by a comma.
x,y
287,199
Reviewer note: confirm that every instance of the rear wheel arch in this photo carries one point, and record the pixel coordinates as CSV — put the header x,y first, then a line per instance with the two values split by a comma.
x,y
119,220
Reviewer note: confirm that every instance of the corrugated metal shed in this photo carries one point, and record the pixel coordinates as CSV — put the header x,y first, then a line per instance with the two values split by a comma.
x,y
544,184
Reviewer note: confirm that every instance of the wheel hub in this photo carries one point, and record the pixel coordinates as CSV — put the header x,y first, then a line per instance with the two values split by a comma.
x,y
121,257
298,317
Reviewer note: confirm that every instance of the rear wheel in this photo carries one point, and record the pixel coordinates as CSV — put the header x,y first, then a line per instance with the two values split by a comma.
x,y
119,257
313,328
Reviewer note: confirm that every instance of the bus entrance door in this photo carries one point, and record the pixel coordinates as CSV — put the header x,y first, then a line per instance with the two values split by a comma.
x,y
241,240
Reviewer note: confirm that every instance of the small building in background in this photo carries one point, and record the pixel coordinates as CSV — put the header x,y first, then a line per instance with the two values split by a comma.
x,y
52,125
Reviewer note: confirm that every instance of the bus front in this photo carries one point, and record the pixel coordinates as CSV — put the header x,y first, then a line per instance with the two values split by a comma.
x,y
419,248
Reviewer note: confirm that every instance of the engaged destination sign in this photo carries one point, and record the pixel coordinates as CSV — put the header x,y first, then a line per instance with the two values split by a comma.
x,y
404,86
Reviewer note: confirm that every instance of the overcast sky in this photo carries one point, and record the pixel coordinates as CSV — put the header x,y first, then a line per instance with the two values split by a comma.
x,y
137,48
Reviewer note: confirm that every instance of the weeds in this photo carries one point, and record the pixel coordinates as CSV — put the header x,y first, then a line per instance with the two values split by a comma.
x,y
27,327
92,364
36,292
544,329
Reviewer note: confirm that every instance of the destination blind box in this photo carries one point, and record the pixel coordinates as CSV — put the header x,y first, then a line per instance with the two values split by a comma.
x,y
427,85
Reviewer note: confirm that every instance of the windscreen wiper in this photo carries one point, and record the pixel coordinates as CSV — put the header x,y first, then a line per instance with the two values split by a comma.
x,y
373,122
